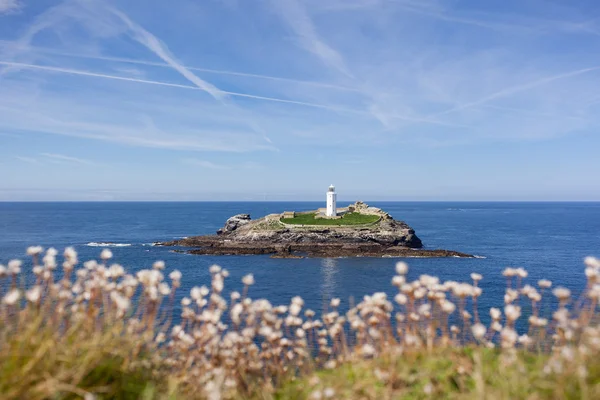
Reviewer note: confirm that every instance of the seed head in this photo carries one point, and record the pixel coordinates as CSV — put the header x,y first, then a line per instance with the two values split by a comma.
x,y
476,277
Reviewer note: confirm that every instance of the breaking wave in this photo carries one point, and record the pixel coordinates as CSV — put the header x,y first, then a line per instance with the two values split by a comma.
x,y
107,244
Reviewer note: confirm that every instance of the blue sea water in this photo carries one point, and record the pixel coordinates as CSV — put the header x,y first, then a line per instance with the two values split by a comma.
x,y
549,239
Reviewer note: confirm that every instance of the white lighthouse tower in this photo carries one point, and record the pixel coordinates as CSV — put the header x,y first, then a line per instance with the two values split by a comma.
x,y
331,202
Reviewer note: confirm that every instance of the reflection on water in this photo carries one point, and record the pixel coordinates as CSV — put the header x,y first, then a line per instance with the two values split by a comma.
x,y
329,270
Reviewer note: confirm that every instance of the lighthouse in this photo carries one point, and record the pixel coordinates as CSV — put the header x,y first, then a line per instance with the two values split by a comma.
x,y
331,202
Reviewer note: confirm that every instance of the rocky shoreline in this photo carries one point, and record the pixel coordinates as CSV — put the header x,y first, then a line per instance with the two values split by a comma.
x,y
243,236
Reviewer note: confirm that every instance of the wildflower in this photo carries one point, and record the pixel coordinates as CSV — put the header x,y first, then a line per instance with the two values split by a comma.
x,y
120,301
106,254
214,269
70,254
298,300
14,267
367,350
495,313
448,307
248,280
33,295
476,277
509,337
164,289
34,250
525,340
328,393
428,389
217,283
175,275
521,273
479,331
335,302
159,265
309,313
591,273
401,268
235,295
592,262
509,272
512,312
398,280
544,283
11,297
562,293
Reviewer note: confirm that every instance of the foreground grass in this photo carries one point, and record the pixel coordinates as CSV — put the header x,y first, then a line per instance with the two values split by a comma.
x,y
463,373
97,332
347,219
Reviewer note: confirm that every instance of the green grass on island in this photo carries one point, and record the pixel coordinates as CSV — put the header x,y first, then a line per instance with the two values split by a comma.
x,y
347,219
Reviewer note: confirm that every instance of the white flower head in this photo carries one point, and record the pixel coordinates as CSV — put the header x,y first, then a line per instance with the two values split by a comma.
x,y
106,254
476,277
11,297
544,283
479,331
401,268
248,280
71,255
14,267
175,275
335,302
33,295
159,265
592,262
34,250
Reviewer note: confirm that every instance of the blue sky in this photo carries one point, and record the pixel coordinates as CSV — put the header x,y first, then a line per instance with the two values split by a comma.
x,y
276,99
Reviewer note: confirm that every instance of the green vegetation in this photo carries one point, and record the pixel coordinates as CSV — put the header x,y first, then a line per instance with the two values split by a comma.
x,y
97,332
347,219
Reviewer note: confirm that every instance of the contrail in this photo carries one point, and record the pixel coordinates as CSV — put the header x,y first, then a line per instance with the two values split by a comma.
x,y
207,70
190,87
516,89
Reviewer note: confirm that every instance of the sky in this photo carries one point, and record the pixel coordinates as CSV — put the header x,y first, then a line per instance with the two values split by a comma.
x,y
442,100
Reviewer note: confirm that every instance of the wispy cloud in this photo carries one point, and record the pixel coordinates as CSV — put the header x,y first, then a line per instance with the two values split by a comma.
x,y
300,22
205,164
10,6
69,159
516,89
28,160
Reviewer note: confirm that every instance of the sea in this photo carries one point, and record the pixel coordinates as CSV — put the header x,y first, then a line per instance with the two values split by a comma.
x,y
549,240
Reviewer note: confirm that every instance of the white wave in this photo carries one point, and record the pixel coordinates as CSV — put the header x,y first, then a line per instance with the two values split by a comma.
x,y
107,244
476,256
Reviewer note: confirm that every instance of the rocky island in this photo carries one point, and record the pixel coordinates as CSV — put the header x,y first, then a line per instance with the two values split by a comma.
x,y
354,231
